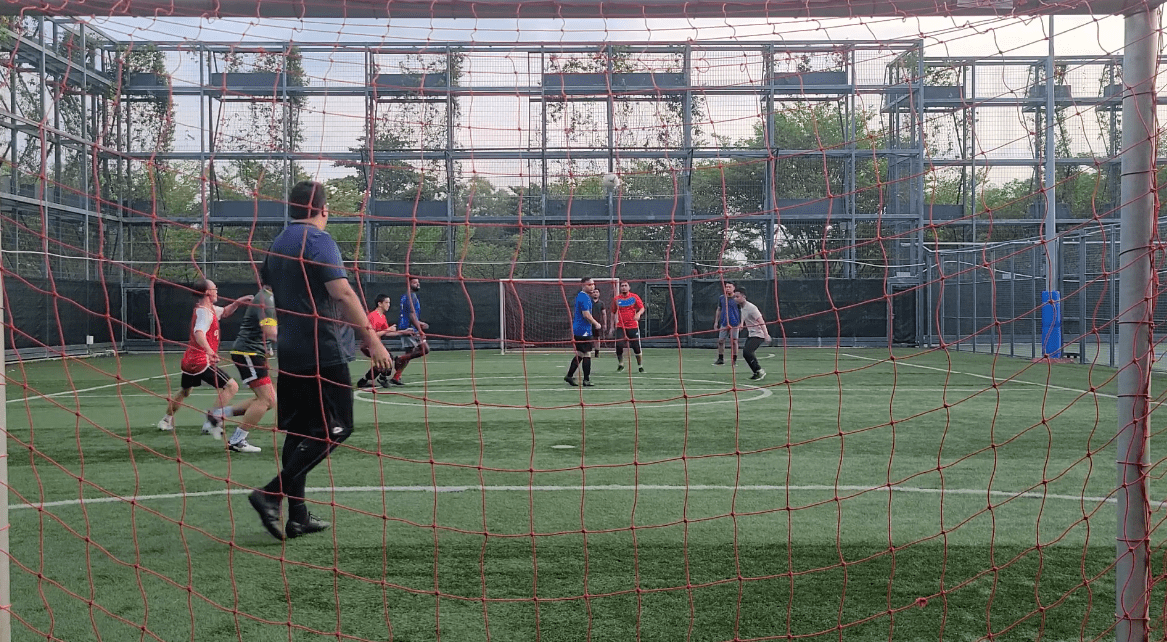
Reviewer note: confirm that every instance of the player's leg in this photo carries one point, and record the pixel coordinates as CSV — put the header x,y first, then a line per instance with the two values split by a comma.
x,y
722,334
367,379
414,348
172,406
621,343
265,399
253,372
636,349
225,388
733,345
585,361
329,430
751,346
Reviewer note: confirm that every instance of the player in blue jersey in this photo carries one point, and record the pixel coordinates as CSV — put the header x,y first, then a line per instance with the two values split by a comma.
x,y
728,322
583,327
414,344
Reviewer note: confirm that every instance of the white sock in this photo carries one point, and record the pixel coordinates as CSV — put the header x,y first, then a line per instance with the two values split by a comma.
x,y
219,412
239,436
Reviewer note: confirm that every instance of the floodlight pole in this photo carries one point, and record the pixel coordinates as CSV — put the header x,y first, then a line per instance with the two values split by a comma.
x,y
1135,296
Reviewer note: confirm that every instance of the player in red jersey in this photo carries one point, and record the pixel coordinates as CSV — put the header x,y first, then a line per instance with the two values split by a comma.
x,y
628,309
201,356
384,330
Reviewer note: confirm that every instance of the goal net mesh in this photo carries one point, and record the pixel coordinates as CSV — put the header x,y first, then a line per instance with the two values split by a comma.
x,y
537,315
898,446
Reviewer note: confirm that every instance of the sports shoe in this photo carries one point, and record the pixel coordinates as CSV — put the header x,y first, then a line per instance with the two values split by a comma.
x,y
213,426
620,368
719,362
587,383
640,369
268,507
570,381
383,381
310,525
760,374
166,423
395,381
243,447
362,383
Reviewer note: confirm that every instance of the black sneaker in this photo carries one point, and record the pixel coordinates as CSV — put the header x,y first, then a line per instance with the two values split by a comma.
x,y
587,383
306,527
620,368
383,381
641,369
396,382
719,362
760,374
268,507
570,381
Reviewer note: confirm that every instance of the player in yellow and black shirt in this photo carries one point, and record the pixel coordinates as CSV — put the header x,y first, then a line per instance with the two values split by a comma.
x,y
254,343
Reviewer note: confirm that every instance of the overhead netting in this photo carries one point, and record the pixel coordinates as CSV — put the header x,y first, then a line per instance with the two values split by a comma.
x,y
894,445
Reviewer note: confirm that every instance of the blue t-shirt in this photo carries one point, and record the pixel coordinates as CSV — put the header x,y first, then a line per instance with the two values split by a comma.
x,y
580,326
728,314
301,261
403,320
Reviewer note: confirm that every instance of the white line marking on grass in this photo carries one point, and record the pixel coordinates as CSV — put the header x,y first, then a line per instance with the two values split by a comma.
x,y
72,392
981,376
576,489
378,398
563,446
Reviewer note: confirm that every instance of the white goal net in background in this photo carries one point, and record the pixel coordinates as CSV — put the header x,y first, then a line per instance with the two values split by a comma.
x,y
535,314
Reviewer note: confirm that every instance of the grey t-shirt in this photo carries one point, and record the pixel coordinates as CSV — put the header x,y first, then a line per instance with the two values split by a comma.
x,y
300,262
261,312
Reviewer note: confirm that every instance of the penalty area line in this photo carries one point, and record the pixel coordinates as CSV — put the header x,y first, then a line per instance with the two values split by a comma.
x,y
576,489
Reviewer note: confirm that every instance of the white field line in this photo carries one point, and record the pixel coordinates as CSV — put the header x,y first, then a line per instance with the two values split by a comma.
x,y
577,489
981,376
69,393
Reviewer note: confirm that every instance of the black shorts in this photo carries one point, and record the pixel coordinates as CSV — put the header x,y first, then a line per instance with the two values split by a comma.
x,y
252,369
307,403
583,344
213,375
632,336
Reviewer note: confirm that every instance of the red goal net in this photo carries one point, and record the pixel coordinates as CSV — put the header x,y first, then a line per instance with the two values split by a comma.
x,y
897,324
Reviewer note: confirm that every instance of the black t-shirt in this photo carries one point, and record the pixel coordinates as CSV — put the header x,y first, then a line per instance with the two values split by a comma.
x,y
301,261
598,309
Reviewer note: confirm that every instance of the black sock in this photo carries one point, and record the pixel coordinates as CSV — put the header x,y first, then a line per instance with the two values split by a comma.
x,y
587,368
573,366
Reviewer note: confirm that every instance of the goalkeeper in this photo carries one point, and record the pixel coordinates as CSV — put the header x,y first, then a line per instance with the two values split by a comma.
x,y
629,308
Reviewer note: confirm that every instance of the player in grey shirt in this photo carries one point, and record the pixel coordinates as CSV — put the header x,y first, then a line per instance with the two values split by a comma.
x,y
253,345
755,326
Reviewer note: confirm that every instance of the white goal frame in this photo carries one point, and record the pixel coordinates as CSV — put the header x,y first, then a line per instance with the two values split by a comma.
x,y
503,284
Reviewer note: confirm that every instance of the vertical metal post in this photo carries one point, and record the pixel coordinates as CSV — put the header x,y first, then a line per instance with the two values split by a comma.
x,y
5,550
1051,308
1136,295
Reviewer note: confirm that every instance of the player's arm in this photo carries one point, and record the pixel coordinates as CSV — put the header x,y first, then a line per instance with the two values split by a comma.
x,y
413,320
354,313
243,300
639,310
268,325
